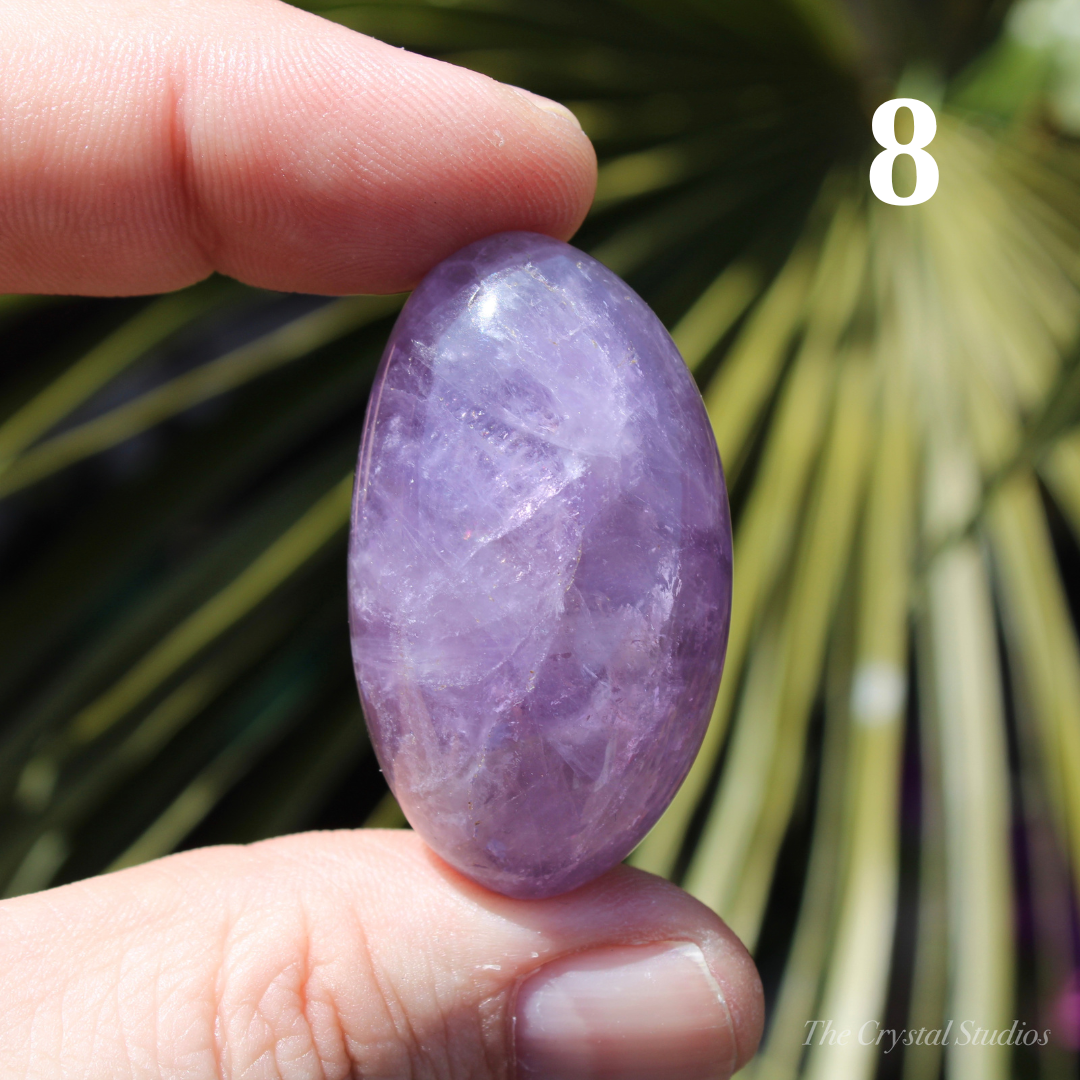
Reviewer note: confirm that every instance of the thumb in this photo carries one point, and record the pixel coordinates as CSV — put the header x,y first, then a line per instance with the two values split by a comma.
x,y
329,955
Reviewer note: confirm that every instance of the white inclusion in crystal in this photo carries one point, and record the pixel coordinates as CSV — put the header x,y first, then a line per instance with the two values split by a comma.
x,y
878,692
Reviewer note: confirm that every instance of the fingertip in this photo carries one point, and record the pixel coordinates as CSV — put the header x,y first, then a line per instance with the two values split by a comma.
x,y
624,908
555,108
740,984
729,962
383,163
569,157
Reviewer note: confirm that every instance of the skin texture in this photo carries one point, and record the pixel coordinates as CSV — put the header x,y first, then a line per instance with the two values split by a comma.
x,y
322,955
143,146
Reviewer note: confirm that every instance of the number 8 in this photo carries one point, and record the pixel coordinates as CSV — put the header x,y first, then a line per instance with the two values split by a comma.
x,y
926,170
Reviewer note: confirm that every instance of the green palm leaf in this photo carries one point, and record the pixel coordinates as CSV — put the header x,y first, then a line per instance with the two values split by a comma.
x,y
894,757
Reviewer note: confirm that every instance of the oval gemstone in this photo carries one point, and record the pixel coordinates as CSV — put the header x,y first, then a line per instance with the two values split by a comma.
x,y
539,565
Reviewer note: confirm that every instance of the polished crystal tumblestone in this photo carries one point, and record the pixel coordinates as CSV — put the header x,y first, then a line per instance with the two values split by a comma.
x,y
539,566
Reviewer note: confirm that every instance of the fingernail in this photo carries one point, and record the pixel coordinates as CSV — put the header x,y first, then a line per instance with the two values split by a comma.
x,y
549,106
636,1012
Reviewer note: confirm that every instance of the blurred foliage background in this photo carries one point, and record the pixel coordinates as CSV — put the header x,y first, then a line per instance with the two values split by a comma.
x,y
887,805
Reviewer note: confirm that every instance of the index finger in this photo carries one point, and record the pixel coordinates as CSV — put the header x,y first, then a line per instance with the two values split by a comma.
x,y
144,146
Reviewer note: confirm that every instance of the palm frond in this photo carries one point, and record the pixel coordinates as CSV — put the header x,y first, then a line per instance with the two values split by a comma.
x,y
895,392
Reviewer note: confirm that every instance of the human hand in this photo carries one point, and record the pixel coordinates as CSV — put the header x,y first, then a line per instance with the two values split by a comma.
x,y
143,145
330,955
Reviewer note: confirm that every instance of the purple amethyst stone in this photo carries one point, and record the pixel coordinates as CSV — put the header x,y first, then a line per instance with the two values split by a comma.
x,y
539,567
